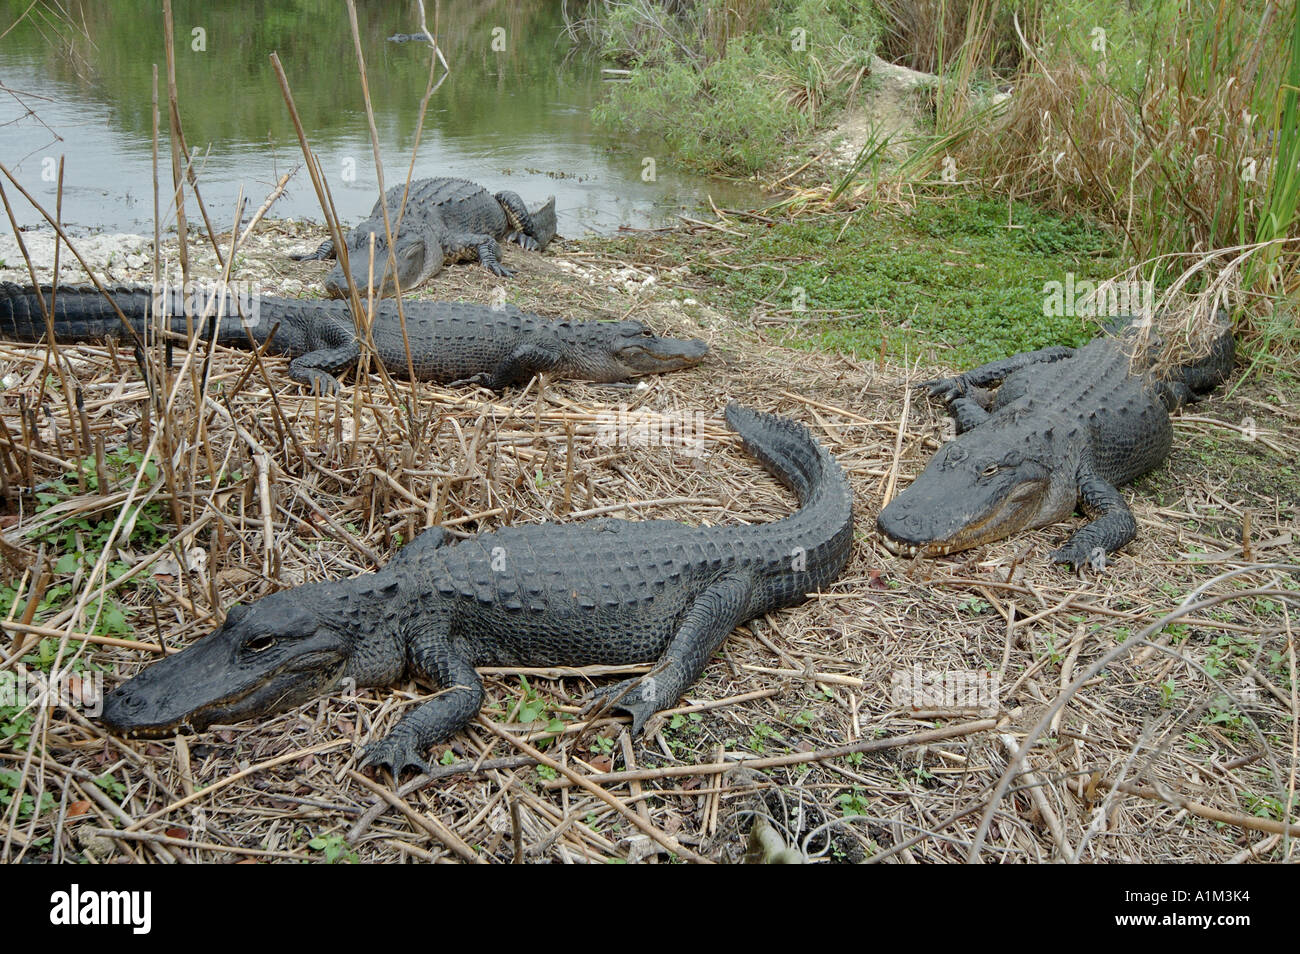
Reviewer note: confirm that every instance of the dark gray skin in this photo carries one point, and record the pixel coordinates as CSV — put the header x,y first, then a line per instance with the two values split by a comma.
x,y
1063,429
446,221
450,342
600,592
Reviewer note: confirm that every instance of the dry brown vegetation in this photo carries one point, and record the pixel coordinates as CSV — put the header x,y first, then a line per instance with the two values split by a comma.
x,y
1144,760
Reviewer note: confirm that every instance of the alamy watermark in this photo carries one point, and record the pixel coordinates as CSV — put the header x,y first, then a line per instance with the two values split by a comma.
x,y
21,688
950,689
1084,298
235,300
76,906
628,428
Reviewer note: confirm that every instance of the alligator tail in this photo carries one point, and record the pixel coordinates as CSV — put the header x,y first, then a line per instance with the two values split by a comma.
x,y
789,453
82,313
79,314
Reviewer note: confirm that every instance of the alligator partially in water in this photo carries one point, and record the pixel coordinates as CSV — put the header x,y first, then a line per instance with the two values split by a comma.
x,y
609,592
1064,428
446,221
450,342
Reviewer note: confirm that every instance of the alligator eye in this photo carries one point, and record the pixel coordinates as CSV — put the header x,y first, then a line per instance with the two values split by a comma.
x,y
990,470
259,644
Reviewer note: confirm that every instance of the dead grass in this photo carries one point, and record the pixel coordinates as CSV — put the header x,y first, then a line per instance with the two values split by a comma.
x,y
1144,761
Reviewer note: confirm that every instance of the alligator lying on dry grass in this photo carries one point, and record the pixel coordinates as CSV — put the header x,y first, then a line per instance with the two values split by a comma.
x,y
1064,427
450,342
446,221
609,592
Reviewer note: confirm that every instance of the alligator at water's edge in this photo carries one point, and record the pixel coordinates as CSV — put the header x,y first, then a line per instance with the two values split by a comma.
x,y
1064,428
446,221
450,342
600,592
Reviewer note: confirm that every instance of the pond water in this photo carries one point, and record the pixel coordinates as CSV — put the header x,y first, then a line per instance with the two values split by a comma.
x,y
514,113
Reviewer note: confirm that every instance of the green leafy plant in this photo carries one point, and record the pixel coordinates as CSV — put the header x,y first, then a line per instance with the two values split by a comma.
x,y
334,848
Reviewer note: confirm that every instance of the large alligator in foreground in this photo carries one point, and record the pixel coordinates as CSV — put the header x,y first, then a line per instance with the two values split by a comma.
x,y
609,592
446,221
450,342
1064,428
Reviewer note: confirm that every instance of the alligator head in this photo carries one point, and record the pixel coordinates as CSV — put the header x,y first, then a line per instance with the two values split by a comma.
x,y
984,485
616,351
416,249
275,654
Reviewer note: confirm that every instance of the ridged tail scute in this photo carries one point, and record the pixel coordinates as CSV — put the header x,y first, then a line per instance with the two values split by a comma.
x,y
80,312
789,453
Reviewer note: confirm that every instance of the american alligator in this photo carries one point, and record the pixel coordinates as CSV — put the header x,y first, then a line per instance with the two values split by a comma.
x,y
609,592
446,221
408,38
1064,428
450,342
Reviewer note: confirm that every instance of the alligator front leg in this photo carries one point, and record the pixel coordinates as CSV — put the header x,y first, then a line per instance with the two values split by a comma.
x,y
1113,524
489,252
991,374
317,368
714,614
438,719
967,414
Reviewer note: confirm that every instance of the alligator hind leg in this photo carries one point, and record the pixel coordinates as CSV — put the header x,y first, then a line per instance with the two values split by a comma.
x,y
326,251
518,368
992,374
714,614
1112,527
438,719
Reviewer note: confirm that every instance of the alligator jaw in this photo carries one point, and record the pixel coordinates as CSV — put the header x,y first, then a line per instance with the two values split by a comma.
x,y
262,660
322,670
949,518
659,355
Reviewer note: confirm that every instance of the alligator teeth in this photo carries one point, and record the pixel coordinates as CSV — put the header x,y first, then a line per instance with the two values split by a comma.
x,y
901,549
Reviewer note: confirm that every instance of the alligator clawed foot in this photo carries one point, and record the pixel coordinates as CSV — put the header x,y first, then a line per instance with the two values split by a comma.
x,y
633,696
526,242
1077,558
480,380
946,389
497,268
319,382
396,755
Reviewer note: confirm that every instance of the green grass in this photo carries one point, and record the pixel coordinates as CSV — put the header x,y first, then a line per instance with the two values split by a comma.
x,y
951,280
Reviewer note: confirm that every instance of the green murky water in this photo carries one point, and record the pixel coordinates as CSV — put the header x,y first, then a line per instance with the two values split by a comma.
x,y
513,113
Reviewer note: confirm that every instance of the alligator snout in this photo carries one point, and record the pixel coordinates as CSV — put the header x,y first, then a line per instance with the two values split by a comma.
x,y
128,711
900,525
